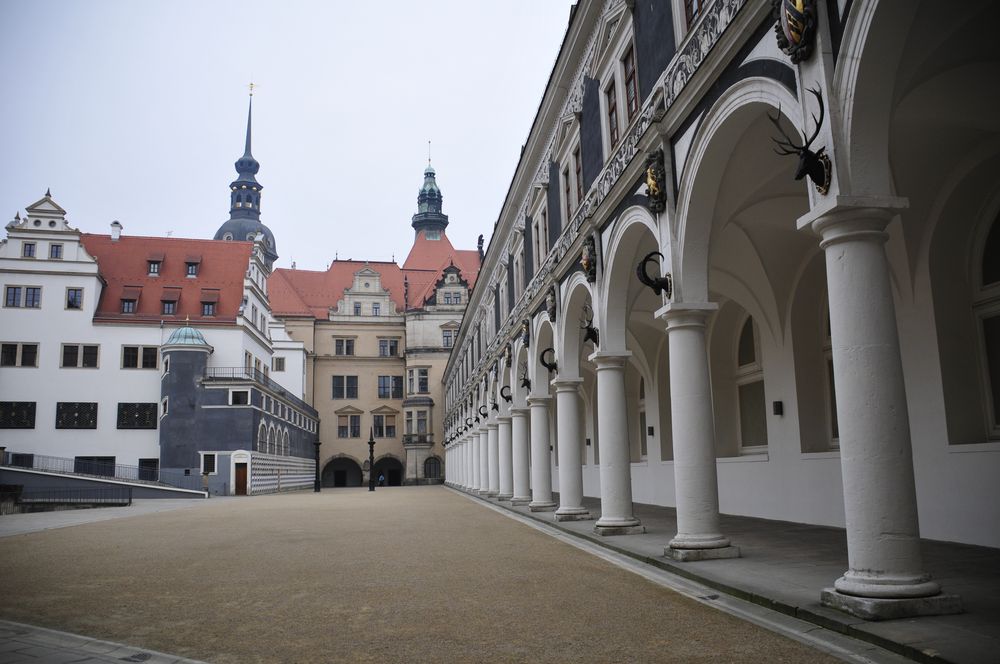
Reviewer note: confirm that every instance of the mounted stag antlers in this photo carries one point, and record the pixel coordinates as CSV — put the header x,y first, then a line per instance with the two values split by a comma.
x,y
525,383
658,284
483,411
495,406
814,164
507,396
591,333
551,366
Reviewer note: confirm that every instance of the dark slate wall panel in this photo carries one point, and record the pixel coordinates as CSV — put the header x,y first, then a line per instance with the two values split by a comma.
x,y
591,145
654,41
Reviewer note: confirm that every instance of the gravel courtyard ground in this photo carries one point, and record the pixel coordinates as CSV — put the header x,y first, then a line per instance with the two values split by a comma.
x,y
403,574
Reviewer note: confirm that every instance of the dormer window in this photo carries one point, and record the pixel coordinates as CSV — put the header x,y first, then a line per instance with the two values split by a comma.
x,y
357,308
192,269
154,268
191,264
376,309
447,298
208,308
27,249
209,298
128,306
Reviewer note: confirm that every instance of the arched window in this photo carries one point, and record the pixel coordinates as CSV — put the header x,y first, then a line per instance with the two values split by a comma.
x,y
749,378
262,438
285,444
432,468
271,440
986,305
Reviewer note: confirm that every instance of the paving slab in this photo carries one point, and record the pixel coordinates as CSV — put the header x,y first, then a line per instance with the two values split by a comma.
x,y
785,566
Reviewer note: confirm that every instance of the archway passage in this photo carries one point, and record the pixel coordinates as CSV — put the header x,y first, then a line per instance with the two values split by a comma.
x,y
391,469
341,472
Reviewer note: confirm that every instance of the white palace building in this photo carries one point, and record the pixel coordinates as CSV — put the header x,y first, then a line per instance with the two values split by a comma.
x,y
749,263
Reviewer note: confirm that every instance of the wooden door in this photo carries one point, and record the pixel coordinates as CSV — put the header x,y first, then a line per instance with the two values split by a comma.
x,y
241,479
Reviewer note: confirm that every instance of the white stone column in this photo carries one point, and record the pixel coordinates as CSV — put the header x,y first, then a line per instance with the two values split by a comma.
x,y
612,429
886,577
541,460
520,436
474,444
568,438
699,536
470,475
484,462
506,462
493,444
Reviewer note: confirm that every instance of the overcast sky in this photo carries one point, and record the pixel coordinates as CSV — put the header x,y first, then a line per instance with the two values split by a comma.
x,y
136,111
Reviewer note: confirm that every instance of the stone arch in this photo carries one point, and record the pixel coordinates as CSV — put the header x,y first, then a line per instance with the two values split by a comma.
x,y
433,467
391,468
342,470
576,294
542,337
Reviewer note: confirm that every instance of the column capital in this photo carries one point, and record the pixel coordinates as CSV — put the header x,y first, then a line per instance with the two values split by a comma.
x,y
686,314
609,359
853,217
491,425
520,412
504,419
566,384
539,401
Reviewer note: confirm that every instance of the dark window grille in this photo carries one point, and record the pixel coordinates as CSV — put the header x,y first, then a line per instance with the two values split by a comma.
x,y
8,355
130,357
149,469
29,355
148,357
397,387
92,465
432,468
137,415
76,415
240,398
17,414
208,463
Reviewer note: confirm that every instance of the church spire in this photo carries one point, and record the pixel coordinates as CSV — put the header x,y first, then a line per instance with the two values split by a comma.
x,y
429,216
245,190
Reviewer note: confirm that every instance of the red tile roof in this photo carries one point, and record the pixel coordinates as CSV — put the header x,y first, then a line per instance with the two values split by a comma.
x,y
124,267
313,293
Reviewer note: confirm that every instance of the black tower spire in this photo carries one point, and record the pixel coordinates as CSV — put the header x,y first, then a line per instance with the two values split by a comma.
x,y
429,216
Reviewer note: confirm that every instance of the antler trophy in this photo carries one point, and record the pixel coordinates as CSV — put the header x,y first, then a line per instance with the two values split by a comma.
x,y
658,284
591,333
483,411
814,164
505,393
551,366
523,368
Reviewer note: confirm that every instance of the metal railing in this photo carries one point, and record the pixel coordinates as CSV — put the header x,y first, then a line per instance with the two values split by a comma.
x,y
252,375
102,469
17,500
418,438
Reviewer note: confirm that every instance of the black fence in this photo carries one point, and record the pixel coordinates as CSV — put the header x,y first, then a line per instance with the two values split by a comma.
x,y
17,500
103,467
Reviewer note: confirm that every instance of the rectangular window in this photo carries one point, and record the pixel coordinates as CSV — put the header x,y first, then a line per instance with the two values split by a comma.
x,y
192,269
388,347
137,415
75,415
355,426
239,398
692,9
76,355
446,338
149,469
345,387
421,421
169,308
612,99
32,297
569,201
384,426
447,298
422,383
343,347
631,94
357,308
277,364
12,296
409,423
17,414
94,465
378,425
578,176
128,306
208,308
397,387
154,268
74,298
28,249
376,309
18,355
139,357
55,251
208,464
384,387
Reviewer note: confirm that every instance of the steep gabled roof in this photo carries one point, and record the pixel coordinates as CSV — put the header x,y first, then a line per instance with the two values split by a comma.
x,y
123,264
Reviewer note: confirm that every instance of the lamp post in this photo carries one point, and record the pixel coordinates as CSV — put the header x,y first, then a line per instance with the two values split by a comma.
x,y
371,460
316,483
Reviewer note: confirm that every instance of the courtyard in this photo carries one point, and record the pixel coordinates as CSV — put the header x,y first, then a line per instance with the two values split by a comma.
x,y
407,574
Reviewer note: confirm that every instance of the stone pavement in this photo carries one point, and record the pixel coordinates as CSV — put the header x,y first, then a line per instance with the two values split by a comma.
x,y
784,566
402,574
25,644
19,524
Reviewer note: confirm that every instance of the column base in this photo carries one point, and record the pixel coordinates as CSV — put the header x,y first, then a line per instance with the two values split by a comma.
x,y
519,501
505,496
871,608
607,530
573,515
492,494
542,506
692,555
483,492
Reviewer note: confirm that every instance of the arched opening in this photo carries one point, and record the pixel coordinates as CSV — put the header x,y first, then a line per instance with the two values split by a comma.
x,y
432,468
388,471
341,472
